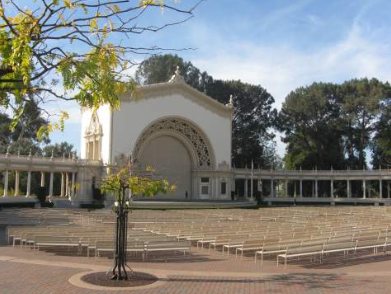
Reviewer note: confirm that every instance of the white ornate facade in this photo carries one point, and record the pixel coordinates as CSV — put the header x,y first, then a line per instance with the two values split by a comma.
x,y
184,134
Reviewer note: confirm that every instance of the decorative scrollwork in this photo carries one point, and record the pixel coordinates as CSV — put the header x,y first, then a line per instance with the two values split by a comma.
x,y
185,130
94,128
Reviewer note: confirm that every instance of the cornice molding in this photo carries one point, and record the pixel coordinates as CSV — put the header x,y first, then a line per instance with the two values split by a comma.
x,y
171,88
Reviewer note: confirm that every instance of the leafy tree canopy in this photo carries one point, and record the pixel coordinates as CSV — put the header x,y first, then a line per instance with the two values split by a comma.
x,y
159,69
381,144
139,183
75,50
330,126
62,149
25,131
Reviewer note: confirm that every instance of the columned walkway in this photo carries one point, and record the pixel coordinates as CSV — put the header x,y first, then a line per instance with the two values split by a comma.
x,y
72,172
74,176
348,186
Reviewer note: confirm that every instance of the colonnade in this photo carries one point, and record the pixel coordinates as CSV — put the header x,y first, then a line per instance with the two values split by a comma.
x,y
67,183
333,184
46,167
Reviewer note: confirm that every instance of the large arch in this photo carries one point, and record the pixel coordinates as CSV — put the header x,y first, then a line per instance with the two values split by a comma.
x,y
175,147
187,132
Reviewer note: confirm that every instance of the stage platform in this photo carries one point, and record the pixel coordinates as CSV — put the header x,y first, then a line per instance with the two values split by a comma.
x,y
137,204
198,204
204,204
186,204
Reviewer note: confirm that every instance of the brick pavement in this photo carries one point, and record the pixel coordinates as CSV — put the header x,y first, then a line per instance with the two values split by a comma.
x,y
23,271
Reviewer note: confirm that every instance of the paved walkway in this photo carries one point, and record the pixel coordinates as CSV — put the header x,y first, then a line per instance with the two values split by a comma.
x,y
25,271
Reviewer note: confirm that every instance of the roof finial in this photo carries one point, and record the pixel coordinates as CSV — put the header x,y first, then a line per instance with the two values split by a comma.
x,y
230,104
177,77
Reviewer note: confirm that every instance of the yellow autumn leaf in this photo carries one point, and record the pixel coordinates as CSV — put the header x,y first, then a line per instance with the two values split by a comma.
x,y
93,24
145,3
68,3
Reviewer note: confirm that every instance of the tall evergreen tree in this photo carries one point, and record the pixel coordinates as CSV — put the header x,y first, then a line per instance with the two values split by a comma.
x,y
160,68
310,118
329,125
381,144
360,110
253,118
23,138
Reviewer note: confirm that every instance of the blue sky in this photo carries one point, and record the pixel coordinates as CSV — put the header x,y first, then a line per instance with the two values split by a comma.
x,y
279,44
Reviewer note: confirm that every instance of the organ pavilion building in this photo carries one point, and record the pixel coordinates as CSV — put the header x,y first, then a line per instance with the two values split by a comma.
x,y
182,133
186,136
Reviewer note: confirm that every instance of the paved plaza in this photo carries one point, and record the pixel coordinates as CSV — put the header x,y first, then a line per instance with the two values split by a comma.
x,y
25,272
203,271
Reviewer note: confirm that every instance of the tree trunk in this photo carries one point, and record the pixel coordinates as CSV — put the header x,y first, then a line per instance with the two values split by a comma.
x,y
119,269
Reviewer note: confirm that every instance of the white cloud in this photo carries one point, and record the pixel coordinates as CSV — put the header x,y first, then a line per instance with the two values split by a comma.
x,y
283,69
271,19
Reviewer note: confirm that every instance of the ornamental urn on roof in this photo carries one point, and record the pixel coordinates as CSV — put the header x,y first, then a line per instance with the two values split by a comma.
x,y
177,77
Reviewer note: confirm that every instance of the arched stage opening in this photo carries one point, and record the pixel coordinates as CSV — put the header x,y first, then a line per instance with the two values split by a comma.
x,y
175,148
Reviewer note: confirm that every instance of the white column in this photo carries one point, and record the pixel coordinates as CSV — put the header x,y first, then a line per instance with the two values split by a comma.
x,y
364,189
316,188
42,179
252,181
72,194
17,183
260,187
301,188
348,192
28,192
271,188
233,186
6,184
62,193
51,184
196,185
380,188
218,186
93,150
217,189
246,188
213,189
252,188
98,150
294,191
332,188
286,188
88,150
67,188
